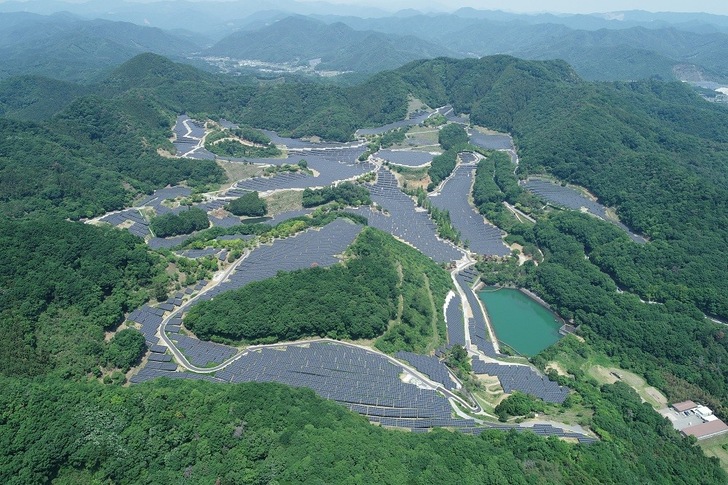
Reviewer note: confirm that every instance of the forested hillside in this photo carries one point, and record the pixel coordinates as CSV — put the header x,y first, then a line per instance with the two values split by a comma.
x,y
74,49
337,46
94,156
62,284
199,432
384,289
656,151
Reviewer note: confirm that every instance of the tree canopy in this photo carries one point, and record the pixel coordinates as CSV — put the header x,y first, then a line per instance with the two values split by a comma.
x,y
249,204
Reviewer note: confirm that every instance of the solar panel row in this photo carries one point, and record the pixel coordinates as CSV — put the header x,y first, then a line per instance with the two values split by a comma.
x,y
524,379
430,366
482,237
404,221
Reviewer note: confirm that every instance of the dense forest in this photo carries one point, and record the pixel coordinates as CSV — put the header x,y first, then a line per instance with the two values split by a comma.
x,y
347,194
198,432
249,204
354,300
186,222
63,284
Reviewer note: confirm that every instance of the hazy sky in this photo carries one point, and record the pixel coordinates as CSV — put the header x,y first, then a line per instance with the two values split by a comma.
x,y
531,6
565,6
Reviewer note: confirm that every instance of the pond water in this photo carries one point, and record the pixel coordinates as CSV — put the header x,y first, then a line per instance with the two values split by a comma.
x,y
519,321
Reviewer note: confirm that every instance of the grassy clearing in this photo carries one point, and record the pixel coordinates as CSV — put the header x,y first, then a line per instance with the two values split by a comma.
x,y
421,136
717,447
238,171
608,375
412,178
603,370
288,200
414,104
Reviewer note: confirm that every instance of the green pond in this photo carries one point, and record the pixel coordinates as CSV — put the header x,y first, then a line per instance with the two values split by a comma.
x,y
519,321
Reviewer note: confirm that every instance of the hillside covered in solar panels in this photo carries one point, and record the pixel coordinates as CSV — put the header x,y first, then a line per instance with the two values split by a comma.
x,y
65,287
384,289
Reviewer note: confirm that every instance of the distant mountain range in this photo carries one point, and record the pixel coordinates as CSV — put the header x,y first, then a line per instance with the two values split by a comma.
x,y
65,47
333,46
610,46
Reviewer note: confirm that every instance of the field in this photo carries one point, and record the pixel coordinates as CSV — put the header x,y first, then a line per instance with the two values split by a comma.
x,y
284,201
603,370
717,447
238,171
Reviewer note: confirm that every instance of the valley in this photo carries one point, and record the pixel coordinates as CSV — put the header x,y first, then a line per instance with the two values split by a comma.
x,y
274,275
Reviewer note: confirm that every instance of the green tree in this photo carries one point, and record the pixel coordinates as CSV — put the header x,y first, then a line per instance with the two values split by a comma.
x,y
249,204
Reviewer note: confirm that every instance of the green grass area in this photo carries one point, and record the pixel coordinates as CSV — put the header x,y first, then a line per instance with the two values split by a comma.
x,y
285,201
235,171
717,447
603,370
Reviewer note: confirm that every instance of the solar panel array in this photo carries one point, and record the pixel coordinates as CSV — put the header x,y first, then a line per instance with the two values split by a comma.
x,y
524,379
155,200
483,238
188,136
449,113
404,221
477,326
228,221
468,158
284,216
430,366
491,142
408,158
414,120
332,166
292,143
149,317
201,353
313,247
572,199
139,226
455,322
285,180
166,242
544,429
363,381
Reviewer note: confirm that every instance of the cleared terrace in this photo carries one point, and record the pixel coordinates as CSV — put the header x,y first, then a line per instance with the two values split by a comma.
x,y
407,158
